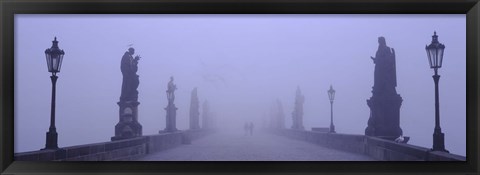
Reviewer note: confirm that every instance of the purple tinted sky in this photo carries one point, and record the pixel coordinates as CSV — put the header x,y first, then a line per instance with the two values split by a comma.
x,y
240,63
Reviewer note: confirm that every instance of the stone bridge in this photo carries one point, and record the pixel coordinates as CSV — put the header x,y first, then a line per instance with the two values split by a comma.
x,y
263,145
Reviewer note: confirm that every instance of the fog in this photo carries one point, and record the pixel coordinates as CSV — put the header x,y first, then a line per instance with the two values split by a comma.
x,y
241,64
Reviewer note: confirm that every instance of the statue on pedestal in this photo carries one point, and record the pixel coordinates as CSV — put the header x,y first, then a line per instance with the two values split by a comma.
x,y
384,120
128,126
171,109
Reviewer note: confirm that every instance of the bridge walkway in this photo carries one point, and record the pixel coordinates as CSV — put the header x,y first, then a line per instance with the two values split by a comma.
x,y
261,146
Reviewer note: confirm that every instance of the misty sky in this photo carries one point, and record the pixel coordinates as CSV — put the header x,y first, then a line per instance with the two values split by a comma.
x,y
240,64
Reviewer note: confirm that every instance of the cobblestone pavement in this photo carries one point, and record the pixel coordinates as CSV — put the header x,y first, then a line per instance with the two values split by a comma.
x,y
231,146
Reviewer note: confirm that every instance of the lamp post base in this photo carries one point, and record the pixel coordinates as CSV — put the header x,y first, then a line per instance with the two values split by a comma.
x,y
439,142
52,138
332,129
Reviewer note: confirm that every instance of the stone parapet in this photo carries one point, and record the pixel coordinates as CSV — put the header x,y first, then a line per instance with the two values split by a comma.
x,y
127,149
377,148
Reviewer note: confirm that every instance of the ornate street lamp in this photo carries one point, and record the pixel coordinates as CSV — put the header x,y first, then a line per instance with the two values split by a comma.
x,y
54,62
331,96
435,58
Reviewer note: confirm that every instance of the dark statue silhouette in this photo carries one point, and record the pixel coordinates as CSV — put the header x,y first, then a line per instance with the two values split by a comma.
x,y
128,126
385,103
385,76
130,78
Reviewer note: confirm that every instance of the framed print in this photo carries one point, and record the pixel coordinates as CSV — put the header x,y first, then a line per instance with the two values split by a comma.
x,y
253,87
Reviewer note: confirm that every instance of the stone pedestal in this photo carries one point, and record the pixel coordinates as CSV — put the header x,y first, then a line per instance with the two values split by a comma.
x,y
171,118
300,121
385,102
297,121
384,118
128,126
195,122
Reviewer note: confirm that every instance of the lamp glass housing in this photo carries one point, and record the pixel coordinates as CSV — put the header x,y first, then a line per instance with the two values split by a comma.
x,y
435,52
331,94
54,57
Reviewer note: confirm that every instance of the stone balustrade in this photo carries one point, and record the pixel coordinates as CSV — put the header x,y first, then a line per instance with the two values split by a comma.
x,y
374,147
128,149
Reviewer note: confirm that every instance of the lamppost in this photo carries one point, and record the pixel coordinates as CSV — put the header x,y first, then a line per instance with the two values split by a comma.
x,y
435,58
54,62
331,96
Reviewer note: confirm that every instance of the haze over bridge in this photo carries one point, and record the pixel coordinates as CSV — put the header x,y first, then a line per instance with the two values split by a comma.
x,y
260,146
263,145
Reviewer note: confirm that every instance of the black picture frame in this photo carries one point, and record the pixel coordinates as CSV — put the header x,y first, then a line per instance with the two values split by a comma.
x,y
8,8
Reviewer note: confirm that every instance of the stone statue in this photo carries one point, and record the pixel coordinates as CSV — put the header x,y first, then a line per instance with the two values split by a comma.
x,y
171,90
384,119
171,109
385,76
130,78
128,126
171,118
299,99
